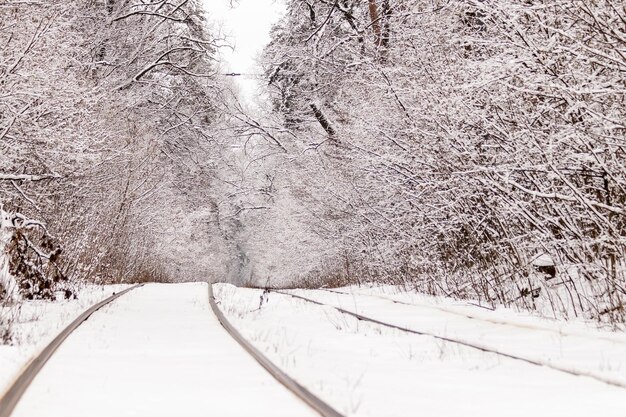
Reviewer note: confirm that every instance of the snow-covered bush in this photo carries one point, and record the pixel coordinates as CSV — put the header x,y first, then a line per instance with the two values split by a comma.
x,y
9,289
28,259
6,323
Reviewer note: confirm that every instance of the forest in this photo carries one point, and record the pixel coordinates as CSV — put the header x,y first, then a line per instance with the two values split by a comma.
x,y
472,149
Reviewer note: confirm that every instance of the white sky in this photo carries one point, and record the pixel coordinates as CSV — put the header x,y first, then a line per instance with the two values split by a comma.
x,y
247,27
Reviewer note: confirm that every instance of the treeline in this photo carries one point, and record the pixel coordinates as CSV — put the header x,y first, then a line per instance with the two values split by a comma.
x,y
473,149
107,147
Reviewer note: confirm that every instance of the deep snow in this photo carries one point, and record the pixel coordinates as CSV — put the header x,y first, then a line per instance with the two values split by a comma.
x,y
37,322
156,351
367,370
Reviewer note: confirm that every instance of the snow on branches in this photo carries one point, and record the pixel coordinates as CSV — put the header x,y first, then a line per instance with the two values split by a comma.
x,y
28,269
106,114
470,138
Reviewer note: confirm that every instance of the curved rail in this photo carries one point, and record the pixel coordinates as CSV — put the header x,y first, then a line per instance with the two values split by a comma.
x,y
301,392
12,396
472,345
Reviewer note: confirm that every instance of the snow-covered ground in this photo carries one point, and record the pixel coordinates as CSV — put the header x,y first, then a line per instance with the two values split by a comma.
x,y
156,351
570,347
38,322
369,370
159,350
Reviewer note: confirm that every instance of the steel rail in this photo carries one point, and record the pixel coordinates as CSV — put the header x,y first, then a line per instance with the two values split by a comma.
x,y
469,316
12,396
486,349
301,392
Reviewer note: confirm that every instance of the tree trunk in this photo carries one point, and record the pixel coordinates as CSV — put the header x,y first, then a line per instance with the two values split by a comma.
x,y
384,40
323,121
375,21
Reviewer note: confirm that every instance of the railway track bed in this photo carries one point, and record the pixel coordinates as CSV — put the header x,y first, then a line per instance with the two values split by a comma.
x,y
155,350
597,355
198,350
372,357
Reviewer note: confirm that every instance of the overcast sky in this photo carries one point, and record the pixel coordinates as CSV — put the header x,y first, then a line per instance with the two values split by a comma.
x,y
247,27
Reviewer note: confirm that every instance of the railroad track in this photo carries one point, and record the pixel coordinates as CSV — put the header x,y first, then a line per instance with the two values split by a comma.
x,y
15,392
301,392
12,396
469,344
470,316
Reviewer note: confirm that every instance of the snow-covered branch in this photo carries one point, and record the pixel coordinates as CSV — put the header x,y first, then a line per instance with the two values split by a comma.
x,y
28,177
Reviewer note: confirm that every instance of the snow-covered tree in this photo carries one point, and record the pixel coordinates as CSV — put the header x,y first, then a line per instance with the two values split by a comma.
x,y
107,118
460,145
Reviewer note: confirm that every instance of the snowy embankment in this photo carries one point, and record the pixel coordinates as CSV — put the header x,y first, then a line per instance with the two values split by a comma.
x,y
36,323
367,369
